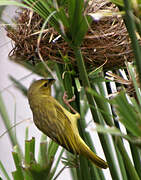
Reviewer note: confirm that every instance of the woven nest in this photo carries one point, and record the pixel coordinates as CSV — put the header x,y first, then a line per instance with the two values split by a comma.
x,y
106,43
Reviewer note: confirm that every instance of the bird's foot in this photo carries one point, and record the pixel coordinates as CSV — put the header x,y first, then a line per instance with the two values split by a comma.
x,y
67,102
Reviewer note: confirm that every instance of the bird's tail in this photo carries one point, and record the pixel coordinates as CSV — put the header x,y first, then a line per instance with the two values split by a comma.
x,y
86,151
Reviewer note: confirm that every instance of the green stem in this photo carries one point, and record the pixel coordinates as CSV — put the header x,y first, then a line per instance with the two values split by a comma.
x,y
29,151
121,163
85,80
29,156
105,141
42,157
103,105
131,27
68,85
19,171
93,170
128,164
85,171
136,158
138,25
63,168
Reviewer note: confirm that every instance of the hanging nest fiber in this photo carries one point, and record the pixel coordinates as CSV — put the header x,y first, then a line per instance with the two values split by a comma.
x,y
106,43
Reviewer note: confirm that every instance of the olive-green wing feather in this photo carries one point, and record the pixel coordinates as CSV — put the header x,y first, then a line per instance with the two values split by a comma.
x,y
56,124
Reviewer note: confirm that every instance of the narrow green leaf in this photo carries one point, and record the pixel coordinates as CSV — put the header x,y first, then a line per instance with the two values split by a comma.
x,y
56,177
56,165
130,118
46,11
52,149
118,2
63,17
7,123
18,85
136,85
4,171
14,3
71,10
83,28
100,93
77,18
78,85
1,10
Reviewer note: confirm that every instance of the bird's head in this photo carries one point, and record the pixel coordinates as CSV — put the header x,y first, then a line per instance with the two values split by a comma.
x,y
41,87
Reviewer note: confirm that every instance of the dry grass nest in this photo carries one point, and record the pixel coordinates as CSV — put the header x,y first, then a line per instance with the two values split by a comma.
x,y
106,43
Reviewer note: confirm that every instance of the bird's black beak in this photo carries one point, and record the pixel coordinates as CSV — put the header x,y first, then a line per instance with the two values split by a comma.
x,y
51,81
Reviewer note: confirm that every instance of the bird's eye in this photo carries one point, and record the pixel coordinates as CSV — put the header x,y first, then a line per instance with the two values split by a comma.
x,y
46,84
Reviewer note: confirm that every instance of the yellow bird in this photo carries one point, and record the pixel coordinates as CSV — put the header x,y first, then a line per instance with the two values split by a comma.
x,y
57,122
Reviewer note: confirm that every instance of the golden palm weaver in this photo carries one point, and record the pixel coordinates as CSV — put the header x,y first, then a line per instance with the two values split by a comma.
x,y
57,122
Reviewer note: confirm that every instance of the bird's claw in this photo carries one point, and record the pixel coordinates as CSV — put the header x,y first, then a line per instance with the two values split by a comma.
x,y
72,99
65,97
67,101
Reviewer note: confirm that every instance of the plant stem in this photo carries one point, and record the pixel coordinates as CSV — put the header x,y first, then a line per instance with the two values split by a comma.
x,y
60,172
131,27
85,80
136,158
103,138
129,166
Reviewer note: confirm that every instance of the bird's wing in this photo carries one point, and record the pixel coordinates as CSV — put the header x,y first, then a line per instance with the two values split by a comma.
x,y
57,122
67,135
55,114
